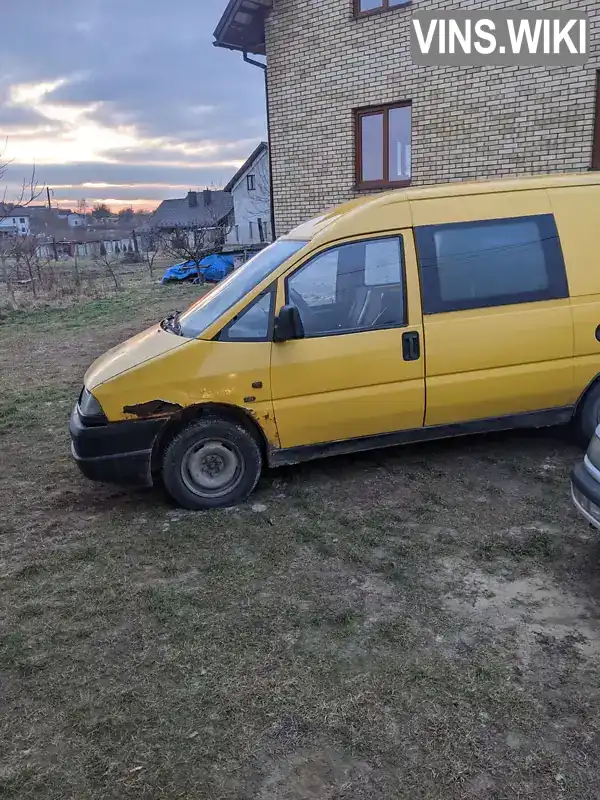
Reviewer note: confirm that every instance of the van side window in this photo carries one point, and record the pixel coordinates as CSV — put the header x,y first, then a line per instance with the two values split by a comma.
x,y
489,263
253,324
382,263
317,284
353,287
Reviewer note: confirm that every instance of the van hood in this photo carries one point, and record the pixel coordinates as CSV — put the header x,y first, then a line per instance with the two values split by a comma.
x,y
146,345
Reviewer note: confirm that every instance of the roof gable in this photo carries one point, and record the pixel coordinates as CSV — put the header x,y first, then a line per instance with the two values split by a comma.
x,y
254,156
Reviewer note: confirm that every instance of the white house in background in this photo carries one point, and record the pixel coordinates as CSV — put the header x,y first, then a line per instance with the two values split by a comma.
x,y
16,223
250,190
76,220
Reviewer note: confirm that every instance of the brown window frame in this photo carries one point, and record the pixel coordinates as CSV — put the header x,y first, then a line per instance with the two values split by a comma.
x,y
359,113
385,6
595,165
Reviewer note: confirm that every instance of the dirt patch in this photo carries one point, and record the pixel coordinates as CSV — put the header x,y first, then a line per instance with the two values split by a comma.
x,y
325,774
536,608
414,623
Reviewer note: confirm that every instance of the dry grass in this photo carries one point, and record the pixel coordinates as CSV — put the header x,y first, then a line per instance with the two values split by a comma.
x,y
415,623
66,283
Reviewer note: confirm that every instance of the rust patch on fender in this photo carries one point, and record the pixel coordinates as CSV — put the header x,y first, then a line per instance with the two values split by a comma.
x,y
152,408
265,422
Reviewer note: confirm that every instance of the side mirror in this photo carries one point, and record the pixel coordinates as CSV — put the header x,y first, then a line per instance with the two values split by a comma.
x,y
288,325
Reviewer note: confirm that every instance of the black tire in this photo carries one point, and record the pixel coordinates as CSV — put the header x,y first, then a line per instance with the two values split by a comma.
x,y
588,415
208,451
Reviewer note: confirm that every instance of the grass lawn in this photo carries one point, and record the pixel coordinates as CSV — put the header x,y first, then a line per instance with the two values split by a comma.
x,y
420,622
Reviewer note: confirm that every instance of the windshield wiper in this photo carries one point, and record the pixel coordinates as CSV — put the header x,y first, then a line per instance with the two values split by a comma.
x,y
171,323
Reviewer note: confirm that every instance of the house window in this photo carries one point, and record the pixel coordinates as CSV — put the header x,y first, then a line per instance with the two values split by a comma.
x,y
383,146
362,7
261,230
488,263
250,182
22,220
596,142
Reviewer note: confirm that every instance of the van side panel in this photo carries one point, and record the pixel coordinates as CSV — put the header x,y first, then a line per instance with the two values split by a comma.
x,y
438,210
576,210
586,316
499,360
199,373
577,213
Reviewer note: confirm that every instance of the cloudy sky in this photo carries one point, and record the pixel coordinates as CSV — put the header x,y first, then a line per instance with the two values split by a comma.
x,y
123,101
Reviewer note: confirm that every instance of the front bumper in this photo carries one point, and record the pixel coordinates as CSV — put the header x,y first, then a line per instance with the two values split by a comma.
x,y
116,452
585,491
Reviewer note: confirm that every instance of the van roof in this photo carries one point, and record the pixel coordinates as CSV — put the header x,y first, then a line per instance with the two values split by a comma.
x,y
312,228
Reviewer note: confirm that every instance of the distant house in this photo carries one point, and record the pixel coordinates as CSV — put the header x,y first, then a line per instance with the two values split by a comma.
x,y
207,209
76,220
250,189
16,223
202,219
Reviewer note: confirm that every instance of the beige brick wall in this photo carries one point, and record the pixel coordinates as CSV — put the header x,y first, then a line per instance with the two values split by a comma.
x,y
467,123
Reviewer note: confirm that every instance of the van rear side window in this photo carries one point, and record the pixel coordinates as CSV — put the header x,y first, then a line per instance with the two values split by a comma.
x,y
490,263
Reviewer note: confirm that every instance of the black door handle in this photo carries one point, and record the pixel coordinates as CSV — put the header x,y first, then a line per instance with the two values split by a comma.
x,y
411,348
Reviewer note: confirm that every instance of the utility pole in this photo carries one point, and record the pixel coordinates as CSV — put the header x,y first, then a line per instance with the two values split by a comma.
x,y
48,194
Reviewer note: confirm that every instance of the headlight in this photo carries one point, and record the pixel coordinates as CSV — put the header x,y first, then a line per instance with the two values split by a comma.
x,y
89,407
593,451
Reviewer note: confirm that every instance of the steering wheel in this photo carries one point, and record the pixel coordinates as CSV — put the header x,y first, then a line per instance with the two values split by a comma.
x,y
305,310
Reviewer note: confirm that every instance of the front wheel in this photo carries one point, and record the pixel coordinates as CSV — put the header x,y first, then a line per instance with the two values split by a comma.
x,y
211,463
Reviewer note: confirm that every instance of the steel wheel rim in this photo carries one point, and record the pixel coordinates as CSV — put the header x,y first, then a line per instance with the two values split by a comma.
x,y
212,468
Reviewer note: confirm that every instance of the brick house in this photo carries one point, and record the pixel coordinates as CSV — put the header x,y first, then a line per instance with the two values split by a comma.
x,y
349,112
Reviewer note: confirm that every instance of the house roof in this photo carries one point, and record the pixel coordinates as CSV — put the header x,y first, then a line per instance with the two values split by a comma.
x,y
256,153
242,26
16,212
179,213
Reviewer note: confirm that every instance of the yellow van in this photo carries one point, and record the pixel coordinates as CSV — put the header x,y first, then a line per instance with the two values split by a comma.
x,y
398,317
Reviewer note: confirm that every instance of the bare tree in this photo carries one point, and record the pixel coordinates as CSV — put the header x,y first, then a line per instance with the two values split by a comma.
x,y
6,270
26,253
27,194
110,262
101,211
149,251
126,214
195,242
76,273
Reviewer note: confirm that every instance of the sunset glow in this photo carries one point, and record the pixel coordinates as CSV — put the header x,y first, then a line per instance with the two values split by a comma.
x,y
143,125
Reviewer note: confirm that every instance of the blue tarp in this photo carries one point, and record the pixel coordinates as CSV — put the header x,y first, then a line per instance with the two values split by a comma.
x,y
213,268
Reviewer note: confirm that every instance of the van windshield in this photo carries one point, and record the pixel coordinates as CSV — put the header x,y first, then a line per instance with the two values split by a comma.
x,y
233,288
